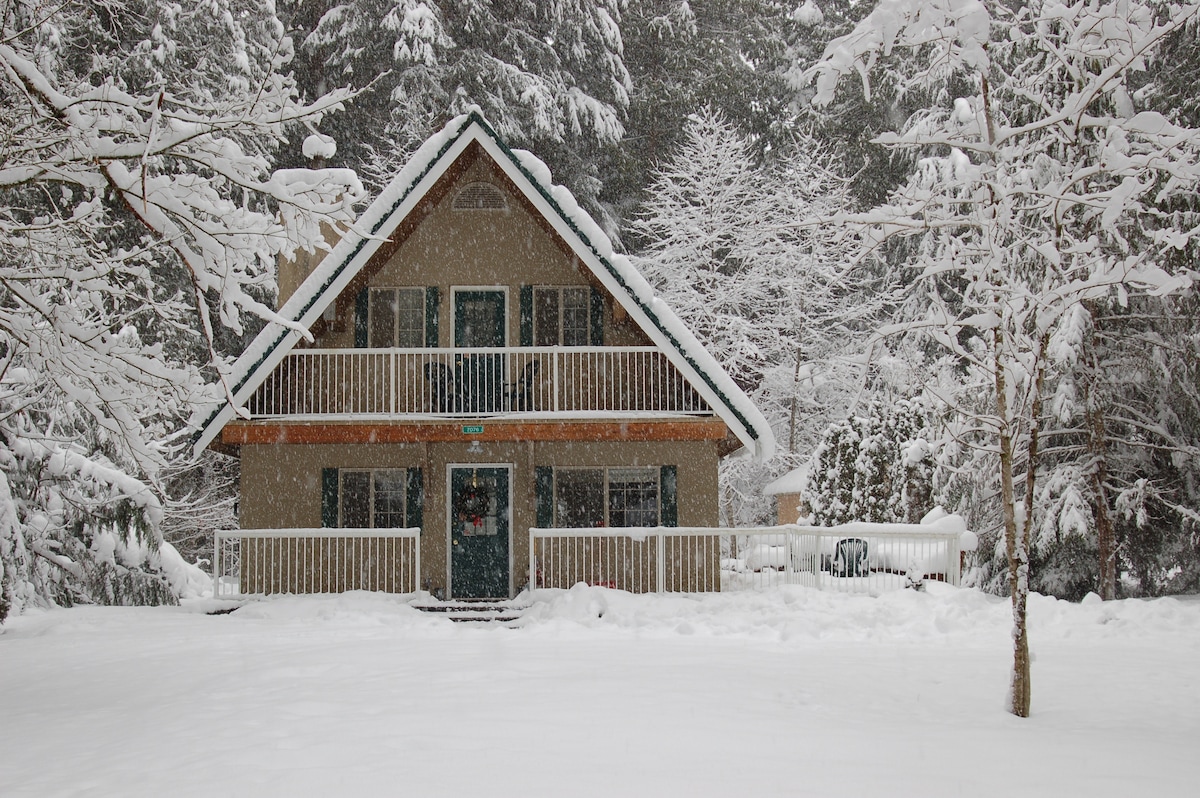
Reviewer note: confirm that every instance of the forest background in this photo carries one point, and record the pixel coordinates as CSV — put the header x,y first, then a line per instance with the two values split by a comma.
x,y
960,276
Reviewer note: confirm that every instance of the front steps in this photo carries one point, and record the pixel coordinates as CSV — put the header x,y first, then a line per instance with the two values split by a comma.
x,y
481,611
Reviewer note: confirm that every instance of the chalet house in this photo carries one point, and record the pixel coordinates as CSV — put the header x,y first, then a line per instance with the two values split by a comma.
x,y
482,363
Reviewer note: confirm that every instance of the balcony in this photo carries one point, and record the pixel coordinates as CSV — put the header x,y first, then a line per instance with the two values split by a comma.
x,y
550,382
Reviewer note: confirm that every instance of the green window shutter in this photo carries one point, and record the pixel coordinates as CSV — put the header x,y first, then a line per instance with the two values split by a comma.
x,y
527,315
360,319
597,314
431,316
668,496
414,498
543,477
329,497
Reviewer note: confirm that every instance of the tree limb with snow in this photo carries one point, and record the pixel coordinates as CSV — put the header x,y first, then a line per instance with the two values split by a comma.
x,y
1040,186
140,220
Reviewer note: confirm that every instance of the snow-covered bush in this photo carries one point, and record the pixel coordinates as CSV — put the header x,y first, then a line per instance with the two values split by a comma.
x,y
876,465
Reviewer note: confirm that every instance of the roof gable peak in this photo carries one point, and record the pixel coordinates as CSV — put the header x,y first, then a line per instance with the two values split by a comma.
x,y
559,209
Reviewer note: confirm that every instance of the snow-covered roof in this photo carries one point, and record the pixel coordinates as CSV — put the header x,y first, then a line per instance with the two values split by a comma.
x,y
560,209
793,481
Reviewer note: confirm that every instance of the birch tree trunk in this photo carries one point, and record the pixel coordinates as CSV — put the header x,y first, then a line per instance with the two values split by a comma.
x,y
1015,542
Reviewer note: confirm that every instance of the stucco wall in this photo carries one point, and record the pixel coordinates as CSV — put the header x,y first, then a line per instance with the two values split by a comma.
x,y
464,248
281,484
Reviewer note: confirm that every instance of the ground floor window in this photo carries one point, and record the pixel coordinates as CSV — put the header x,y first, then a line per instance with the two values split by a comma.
x,y
365,498
615,496
372,498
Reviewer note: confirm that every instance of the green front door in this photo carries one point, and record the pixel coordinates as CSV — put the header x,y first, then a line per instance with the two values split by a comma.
x,y
479,532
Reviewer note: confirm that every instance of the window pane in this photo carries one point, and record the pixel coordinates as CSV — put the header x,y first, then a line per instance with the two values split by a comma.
x,y
545,317
389,498
576,316
633,496
578,497
410,317
382,316
356,499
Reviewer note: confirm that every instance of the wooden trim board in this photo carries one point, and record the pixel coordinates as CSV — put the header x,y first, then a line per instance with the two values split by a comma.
x,y
241,432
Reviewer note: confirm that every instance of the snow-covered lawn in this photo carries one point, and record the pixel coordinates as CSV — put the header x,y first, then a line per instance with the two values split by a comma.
x,y
787,692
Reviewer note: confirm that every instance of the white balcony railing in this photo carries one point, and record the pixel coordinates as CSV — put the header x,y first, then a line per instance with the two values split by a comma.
x,y
854,558
559,381
265,561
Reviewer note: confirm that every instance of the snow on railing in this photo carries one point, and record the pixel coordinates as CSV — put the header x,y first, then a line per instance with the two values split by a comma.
x,y
857,558
265,561
473,382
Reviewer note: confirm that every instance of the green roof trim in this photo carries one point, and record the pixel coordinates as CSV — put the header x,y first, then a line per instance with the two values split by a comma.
x,y
612,270
336,273
473,117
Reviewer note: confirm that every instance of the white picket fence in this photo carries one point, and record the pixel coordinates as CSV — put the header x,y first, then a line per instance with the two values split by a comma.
x,y
265,561
857,558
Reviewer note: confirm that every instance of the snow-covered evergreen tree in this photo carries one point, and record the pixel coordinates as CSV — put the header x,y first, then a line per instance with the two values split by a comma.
x,y
875,465
774,303
549,75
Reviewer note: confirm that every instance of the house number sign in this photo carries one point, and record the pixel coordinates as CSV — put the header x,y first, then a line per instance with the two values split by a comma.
x,y
475,429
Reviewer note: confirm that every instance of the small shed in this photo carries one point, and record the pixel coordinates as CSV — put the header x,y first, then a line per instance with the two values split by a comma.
x,y
787,490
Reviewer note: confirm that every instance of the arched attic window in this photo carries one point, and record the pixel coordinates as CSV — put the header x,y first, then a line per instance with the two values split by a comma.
x,y
480,196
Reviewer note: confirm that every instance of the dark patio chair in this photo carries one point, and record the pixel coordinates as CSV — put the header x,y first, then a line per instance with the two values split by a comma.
x,y
850,558
521,397
437,374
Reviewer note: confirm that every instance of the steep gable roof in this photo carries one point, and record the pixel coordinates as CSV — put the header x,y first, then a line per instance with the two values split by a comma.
x,y
560,210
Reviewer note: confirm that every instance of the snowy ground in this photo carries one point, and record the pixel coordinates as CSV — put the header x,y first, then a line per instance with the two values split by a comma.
x,y
788,692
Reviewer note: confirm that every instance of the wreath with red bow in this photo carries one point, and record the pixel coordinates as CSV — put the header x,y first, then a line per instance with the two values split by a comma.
x,y
472,503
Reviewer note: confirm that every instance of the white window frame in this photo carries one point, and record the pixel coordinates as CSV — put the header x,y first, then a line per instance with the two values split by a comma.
x,y
403,472
654,471
561,290
374,291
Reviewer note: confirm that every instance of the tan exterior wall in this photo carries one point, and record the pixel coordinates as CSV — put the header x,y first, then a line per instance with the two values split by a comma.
x,y
293,270
787,508
281,484
473,248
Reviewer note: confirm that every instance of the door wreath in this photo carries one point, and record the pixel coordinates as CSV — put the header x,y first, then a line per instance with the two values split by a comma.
x,y
472,504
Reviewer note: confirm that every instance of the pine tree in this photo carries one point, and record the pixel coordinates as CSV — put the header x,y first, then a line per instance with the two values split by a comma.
x,y
549,76
768,299
874,465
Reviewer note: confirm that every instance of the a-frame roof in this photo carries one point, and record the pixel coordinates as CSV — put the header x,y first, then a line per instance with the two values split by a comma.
x,y
560,210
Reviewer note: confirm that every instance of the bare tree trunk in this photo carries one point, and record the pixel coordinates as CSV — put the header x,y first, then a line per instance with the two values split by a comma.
x,y
1105,532
1098,449
1015,542
795,390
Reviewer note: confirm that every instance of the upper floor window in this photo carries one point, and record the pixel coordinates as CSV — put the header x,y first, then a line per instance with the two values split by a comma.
x,y
397,317
561,316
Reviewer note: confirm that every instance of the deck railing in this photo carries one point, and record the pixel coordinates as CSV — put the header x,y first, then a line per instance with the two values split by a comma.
x,y
265,561
857,558
473,382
